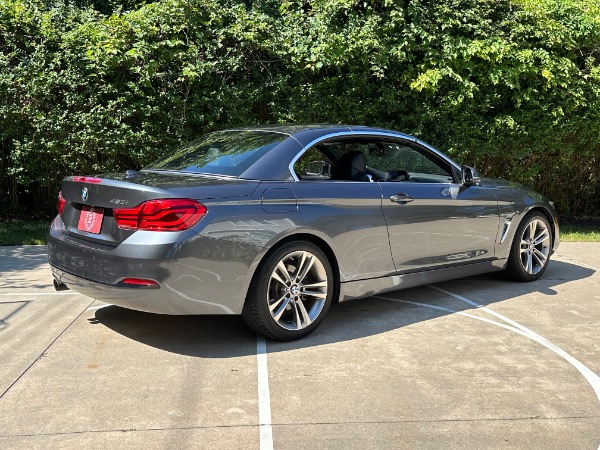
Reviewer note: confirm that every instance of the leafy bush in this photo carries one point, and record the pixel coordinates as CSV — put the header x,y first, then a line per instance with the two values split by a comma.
x,y
511,86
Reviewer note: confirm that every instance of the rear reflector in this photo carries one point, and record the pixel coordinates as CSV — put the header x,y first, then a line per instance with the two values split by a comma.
x,y
87,179
161,215
61,202
139,282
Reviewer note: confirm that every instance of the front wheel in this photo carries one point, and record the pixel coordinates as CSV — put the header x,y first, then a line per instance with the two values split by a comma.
x,y
531,248
290,293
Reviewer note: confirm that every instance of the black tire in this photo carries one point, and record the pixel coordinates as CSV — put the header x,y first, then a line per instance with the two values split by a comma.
x,y
523,250
292,302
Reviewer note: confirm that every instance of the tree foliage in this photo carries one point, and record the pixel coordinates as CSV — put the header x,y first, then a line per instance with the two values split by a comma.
x,y
511,86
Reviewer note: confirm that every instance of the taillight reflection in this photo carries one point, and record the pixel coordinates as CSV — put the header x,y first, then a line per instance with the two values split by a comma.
x,y
87,179
161,215
143,282
60,203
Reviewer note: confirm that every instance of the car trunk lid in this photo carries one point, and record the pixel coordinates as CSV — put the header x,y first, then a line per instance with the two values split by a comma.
x,y
90,201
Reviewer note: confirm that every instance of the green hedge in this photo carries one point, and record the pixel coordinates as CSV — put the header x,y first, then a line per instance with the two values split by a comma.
x,y
511,86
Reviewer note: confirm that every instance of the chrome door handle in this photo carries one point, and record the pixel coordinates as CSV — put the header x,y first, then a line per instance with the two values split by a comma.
x,y
401,199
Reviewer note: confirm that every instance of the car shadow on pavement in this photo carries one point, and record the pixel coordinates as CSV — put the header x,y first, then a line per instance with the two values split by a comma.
x,y
227,336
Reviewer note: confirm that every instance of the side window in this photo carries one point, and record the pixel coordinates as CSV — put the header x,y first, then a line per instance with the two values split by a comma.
x,y
402,162
313,165
367,159
342,160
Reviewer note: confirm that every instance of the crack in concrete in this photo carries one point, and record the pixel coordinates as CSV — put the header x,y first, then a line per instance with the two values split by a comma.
x,y
293,424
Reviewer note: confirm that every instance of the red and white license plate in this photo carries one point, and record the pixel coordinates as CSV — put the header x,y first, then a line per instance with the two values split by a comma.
x,y
90,219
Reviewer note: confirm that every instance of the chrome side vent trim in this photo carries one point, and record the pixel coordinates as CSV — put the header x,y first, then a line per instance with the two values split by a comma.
x,y
505,229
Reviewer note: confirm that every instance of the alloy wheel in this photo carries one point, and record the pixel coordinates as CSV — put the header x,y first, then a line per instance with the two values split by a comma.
x,y
535,246
297,290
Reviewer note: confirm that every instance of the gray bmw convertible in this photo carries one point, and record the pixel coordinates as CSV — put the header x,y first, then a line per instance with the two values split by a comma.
x,y
275,223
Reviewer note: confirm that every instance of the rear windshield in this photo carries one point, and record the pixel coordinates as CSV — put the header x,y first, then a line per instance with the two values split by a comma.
x,y
223,153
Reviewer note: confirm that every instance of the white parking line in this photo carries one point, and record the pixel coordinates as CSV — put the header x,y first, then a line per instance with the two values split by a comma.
x,y
264,397
588,374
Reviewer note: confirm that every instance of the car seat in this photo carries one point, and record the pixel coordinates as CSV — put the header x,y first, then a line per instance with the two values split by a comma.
x,y
351,166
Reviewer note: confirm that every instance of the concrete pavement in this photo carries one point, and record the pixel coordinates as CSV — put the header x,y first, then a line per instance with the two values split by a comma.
x,y
472,363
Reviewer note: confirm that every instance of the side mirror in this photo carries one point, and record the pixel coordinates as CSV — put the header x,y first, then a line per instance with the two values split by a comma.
x,y
318,168
469,176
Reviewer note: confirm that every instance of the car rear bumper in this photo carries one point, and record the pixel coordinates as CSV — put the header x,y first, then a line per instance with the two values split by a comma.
x,y
162,300
196,274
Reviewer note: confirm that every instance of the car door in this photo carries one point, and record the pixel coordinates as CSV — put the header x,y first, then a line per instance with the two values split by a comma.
x,y
432,220
347,212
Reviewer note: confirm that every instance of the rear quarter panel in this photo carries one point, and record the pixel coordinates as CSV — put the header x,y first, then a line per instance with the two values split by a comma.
x,y
347,216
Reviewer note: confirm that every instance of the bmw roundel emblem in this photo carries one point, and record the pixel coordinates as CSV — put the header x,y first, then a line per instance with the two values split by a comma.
x,y
84,194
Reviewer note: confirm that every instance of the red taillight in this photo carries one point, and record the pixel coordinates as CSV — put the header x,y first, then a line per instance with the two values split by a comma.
x,y
61,202
87,179
139,282
161,215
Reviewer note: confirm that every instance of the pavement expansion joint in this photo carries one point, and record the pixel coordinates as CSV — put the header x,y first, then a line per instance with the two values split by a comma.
x,y
131,430
489,419
294,424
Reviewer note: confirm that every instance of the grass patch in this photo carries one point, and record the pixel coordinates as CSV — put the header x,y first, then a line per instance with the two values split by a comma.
x,y
579,233
24,232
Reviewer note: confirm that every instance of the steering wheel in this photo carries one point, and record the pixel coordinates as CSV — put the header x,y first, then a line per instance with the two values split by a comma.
x,y
397,175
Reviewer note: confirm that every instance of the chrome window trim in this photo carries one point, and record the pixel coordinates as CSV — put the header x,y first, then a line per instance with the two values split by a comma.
x,y
260,130
357,133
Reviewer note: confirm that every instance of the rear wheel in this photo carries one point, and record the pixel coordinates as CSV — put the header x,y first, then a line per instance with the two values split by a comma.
x,y
531,248
290,293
